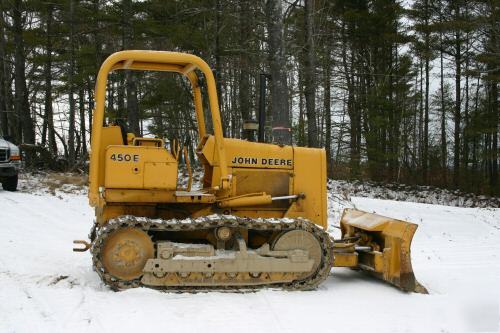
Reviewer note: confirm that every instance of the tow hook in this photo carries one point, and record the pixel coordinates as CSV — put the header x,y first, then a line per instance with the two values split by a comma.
x,y
86,246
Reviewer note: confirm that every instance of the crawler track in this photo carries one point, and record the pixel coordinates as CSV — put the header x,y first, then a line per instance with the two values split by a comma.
x,y
210,222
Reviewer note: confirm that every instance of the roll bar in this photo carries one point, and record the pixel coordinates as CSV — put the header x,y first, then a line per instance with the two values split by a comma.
x,y
181,63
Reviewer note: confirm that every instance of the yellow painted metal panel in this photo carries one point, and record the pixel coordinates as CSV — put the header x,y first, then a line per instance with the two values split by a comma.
x,y
273,182
160,175
111,135
245,154
345,259
123,168
322,188
139,196
310,179
152,142
138,167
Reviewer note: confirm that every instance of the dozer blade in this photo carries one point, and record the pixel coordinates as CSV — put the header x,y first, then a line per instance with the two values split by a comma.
x,y
382,245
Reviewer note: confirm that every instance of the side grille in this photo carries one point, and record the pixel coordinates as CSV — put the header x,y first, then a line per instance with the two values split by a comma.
x,y
4,155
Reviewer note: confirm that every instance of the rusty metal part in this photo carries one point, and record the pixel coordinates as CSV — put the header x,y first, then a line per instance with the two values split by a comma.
x,y
126,251
226,281
86,245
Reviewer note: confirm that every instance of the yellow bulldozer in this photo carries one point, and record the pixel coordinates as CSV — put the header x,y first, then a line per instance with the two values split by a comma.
x,y
258,219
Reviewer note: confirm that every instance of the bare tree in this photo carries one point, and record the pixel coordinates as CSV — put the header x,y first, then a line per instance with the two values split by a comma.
x,y
277,65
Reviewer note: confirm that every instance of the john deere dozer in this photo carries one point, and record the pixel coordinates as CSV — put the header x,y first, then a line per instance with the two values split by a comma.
x,y
260,218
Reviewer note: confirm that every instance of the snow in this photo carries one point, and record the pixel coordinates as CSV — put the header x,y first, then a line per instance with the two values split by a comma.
x,y
45,287
413,193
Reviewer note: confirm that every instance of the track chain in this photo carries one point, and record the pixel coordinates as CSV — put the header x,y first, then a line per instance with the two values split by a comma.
x,y
209,222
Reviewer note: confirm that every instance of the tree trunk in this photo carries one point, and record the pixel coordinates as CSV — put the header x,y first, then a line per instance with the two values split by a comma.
x,y
457,114
352,110
4,119
310,75
301,140
83,134
49,114
277,66
21,104
133,116
465,132
244,74
425,159
97,58
444,148
421,118
91,107
475,140
328,114
71,97
218,65
494,146
132,109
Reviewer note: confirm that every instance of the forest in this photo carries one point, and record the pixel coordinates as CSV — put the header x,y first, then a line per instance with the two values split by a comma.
x,y
395,91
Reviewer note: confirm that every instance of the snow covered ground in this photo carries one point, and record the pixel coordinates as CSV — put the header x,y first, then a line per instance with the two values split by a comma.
x,y
413,193
45,287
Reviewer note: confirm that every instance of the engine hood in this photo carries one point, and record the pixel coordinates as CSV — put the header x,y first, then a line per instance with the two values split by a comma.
x,y
7,144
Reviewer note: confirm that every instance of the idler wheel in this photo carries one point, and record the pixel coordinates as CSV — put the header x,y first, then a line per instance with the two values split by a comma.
x,y
301,240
